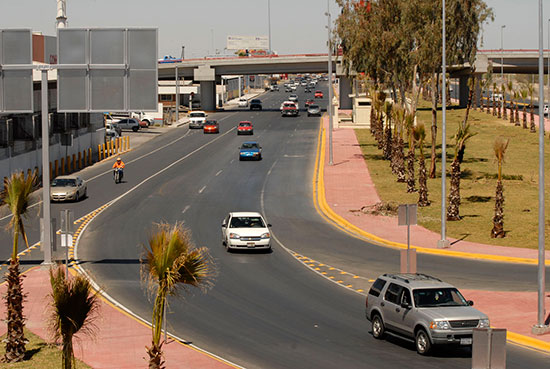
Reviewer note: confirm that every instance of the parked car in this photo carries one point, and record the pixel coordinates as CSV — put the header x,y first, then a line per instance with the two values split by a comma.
x,y
255,104
197,119
129,123
143,124
64,188
422,308
313,109
113,127
245,128
318,94
243,102
211,126
250,150
245,230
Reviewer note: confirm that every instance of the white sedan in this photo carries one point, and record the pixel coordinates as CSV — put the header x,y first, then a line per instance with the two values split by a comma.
x,y
245,230
243,102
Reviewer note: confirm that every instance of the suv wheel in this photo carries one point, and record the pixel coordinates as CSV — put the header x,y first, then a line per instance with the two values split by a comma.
x,y
422,342
377,327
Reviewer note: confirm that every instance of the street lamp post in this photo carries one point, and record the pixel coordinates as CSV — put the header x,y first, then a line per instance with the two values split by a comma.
x,y
330,115
269,23
502,52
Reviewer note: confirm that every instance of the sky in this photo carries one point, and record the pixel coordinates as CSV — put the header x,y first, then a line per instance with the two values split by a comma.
x,y
297,26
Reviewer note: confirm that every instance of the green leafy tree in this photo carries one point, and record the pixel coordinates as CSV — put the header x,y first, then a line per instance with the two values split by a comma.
x,y
75,306
172,262
16,195
500,147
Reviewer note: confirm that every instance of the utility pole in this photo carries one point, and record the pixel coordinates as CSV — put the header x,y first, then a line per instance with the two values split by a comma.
x,y
330,115
443,242
269,23
502,53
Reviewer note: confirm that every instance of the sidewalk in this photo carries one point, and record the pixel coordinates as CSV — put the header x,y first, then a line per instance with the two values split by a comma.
x,y
120,341
349,186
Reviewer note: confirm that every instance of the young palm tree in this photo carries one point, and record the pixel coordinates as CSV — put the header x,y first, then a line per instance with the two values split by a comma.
x,y
419,137
409,124
74,307
510,88
398,165
494,98
387,131
379,133
463,135
172,261
17,196
517,96
524,94
503,88
500,147
531,90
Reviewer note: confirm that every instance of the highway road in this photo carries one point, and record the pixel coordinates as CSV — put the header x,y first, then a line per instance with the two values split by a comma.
x,y
266,310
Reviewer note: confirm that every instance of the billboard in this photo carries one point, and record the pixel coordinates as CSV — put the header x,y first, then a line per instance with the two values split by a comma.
x,y
247,42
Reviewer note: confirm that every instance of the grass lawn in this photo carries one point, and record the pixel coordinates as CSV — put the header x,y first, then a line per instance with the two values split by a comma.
x,y
39,354
478,183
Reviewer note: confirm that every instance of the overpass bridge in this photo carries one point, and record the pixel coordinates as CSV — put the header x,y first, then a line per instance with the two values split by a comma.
x,y
208,71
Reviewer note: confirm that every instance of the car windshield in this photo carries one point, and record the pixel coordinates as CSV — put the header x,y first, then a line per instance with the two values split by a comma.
x,y
289,106
211,123
62,182
196,115
249,146
437,297
313,107
244,124
256,101
246,222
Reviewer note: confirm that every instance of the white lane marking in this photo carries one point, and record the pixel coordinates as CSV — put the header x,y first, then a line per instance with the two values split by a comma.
x,y
232,160
219,172
129,162
185,209
293,156
202,189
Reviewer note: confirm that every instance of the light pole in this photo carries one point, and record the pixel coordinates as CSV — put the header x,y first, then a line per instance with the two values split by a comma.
x,y
269,23
443,242
548,68
502,52
541,327
330,117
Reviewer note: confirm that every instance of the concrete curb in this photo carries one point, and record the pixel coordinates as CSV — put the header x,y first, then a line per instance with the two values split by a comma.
x,y
324,209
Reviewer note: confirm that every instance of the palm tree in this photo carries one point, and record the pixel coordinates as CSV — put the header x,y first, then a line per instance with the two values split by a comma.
x,y
531,90
409,124
74,307
494,98
504,112
387,132
500,147
517,96
510,87
172,261
463,135
524,94
419,133
17,196
398,159
379,132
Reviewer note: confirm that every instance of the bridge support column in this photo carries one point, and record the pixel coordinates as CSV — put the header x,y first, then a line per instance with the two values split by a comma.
x,y
345,92
207,78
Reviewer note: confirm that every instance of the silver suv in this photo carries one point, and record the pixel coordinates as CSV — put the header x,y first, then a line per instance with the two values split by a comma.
x,y
422,308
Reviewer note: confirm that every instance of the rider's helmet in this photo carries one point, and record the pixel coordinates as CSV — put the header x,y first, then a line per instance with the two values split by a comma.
x,y
118,159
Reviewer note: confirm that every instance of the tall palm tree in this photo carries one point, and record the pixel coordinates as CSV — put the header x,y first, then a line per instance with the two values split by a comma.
x,y
74,307
169,262
504,112
16,195
524,94
517,96
462,135
387,131
500,147
419,137
379,132
409,124
531,90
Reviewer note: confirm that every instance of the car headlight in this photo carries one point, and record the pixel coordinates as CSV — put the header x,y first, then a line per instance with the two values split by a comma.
x,y
441,324
484,323
234,236
265,235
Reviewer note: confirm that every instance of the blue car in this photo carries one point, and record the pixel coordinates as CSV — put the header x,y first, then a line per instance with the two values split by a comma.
x,y
250,150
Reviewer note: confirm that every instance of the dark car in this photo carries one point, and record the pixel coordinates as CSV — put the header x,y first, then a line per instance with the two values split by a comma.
x,y
255,104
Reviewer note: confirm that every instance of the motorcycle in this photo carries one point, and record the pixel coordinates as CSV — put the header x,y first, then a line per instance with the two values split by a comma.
x,y
118,174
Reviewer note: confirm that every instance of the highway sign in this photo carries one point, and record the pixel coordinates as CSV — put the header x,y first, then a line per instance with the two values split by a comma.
x,y
16,94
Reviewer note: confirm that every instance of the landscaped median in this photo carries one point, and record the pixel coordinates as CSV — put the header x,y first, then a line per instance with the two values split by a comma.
x,y
478,180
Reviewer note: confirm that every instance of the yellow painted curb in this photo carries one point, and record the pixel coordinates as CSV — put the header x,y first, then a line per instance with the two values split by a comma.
x,y
528,341
320,200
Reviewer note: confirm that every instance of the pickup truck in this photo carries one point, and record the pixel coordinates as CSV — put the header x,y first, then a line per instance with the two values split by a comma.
x,y
289,110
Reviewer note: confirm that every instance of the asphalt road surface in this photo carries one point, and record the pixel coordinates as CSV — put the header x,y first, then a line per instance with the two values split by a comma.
x,y
265,310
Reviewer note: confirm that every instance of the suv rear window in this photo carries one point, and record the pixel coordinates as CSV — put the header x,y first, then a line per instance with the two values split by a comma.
x,y
377,287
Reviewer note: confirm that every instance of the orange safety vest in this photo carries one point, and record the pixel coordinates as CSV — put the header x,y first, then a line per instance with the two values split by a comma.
x,y
117,165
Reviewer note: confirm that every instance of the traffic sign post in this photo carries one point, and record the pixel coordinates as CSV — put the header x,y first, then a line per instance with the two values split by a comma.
x,y
407,216
66,234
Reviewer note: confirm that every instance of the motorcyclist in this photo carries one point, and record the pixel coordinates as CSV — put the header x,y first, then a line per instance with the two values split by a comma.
x,y
118,165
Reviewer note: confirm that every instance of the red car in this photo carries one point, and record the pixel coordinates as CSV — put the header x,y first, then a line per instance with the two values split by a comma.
x,y
211,126
309,102
143,124
245,128
318,94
